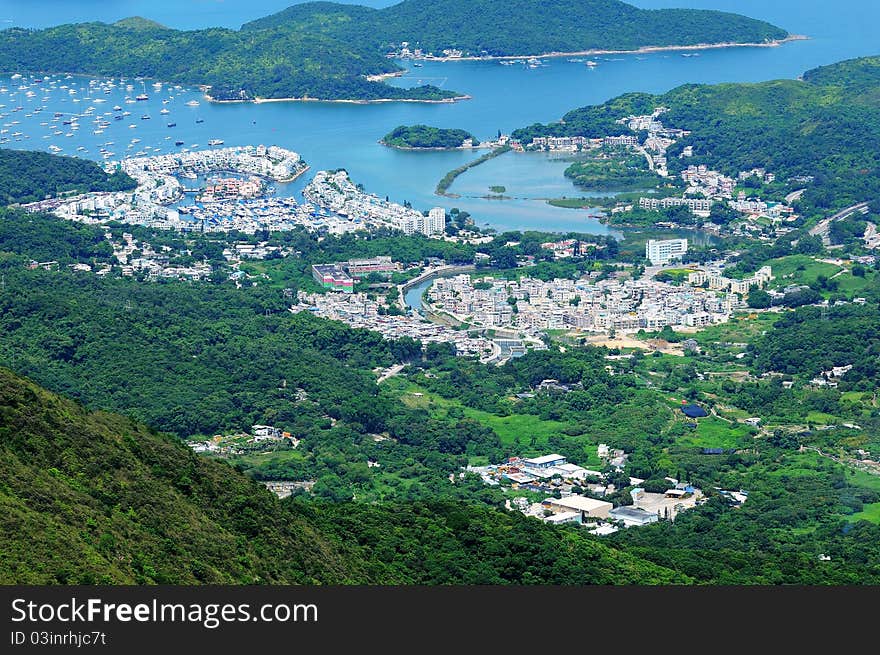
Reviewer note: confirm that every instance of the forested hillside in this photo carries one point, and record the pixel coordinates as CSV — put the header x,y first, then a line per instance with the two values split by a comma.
x,y
281,63
520,27
27,176
97,498
825,128
324,50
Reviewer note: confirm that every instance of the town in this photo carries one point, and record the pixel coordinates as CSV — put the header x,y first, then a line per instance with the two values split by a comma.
x,y
335,205
531,306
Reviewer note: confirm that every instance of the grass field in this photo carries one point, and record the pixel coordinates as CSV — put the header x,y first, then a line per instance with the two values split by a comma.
x,y
799,269
871,512
741,328
528,432
821,418
713,432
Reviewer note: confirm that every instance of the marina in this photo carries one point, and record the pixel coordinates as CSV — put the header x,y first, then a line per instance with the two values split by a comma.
x,y
60,111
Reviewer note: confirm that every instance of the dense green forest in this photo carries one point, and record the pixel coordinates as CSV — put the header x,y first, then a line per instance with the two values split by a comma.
x,y
96,498
28,176
811,340
424,136
236,65
521,27
613,170
324,50
824,129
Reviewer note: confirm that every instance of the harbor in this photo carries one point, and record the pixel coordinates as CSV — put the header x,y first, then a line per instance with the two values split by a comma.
x,y
337,135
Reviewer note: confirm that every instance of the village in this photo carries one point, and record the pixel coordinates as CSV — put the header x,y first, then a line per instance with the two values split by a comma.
x,y
260,439
702,188
618,304
361,311
335,192
574,494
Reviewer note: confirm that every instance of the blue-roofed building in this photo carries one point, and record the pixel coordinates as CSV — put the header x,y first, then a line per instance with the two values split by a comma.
x,y
694,411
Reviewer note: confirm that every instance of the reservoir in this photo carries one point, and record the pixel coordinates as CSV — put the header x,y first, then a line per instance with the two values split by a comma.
x,y
343,135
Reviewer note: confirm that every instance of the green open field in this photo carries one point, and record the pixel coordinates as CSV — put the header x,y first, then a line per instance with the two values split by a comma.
x,y
713,432
515,429
742,328
871,512
799,269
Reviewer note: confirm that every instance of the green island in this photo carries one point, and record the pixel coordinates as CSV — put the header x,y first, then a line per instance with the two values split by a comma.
x,y
488,28
281,63
419,137
328,51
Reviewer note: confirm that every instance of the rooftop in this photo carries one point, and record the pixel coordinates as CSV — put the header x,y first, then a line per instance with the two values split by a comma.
x,y
544,459
580,503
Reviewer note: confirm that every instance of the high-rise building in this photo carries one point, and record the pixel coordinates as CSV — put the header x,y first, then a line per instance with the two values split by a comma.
x,y
663,251
435,223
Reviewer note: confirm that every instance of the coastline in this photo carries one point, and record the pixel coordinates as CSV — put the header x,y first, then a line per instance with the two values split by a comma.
x,y
260,101
433,149
302,171
639,51
381,77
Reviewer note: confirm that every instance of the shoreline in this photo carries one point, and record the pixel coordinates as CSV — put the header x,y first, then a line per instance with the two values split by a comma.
x,y
260,101
433,148
288,180
642,50
381,77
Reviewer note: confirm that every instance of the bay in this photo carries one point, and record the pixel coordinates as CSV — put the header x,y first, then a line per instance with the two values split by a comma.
x,y
345,135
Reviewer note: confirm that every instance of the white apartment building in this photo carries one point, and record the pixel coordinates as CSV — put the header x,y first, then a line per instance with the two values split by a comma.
x,y
662,251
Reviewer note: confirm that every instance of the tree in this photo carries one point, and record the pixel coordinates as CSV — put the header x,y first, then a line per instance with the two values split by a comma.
x,y
759,299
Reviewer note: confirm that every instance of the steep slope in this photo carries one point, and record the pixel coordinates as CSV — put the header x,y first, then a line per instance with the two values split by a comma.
x,y
97,498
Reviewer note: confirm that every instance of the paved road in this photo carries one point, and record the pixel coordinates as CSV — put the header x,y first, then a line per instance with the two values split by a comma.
x,y
390,373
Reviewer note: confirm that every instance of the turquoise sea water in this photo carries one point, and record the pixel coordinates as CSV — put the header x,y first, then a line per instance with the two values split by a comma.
x,y
334,135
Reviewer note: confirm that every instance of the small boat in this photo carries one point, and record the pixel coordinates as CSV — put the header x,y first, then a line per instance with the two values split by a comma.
x,y
215,142
200,120
192,103
142,96
172,124
145,117
164,111
178,143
